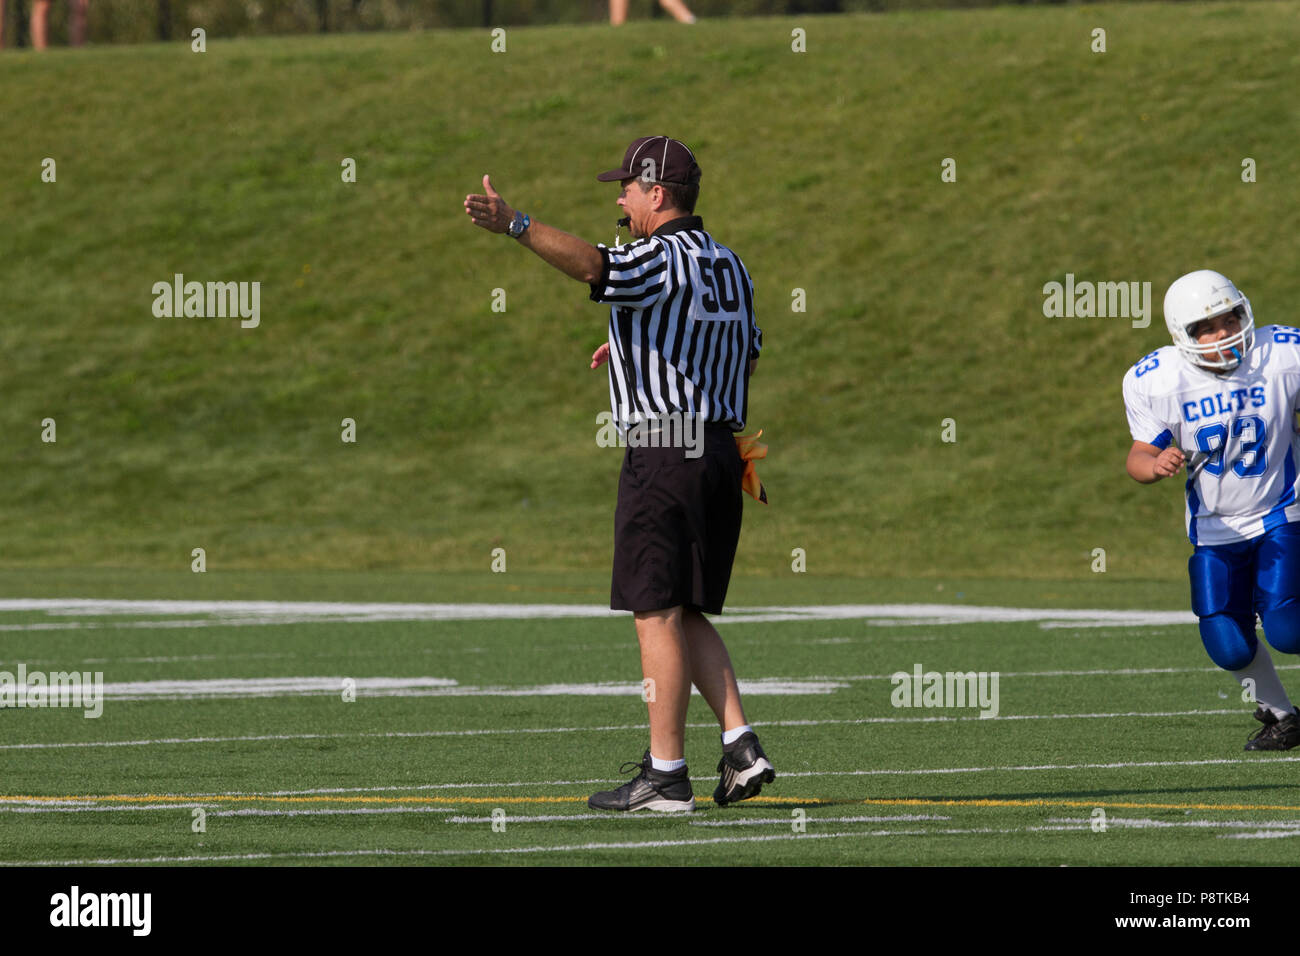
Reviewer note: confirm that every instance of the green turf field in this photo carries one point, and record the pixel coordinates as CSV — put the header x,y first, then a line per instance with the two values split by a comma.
x,y
241,714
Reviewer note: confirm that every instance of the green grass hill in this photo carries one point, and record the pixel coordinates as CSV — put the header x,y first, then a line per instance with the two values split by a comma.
x,y
476,428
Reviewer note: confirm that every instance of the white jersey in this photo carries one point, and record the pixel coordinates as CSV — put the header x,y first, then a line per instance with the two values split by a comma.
x,y
1245,420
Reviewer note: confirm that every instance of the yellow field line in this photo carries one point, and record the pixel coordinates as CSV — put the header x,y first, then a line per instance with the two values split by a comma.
x,y
159,799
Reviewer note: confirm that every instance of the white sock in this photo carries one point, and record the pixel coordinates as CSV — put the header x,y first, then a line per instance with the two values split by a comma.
x,y
731,736
1269,692
667,766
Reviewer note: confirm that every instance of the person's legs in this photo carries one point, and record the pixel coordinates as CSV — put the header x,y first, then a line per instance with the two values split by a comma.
x,y
665,662
1276,566
77,22
1277,587
666,666
711,670
40,22
744,767
617,12
678,10
676,526
1226,593
1222,580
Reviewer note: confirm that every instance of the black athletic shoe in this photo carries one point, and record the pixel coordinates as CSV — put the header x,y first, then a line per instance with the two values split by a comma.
x,y
1275,734
651,789
745,768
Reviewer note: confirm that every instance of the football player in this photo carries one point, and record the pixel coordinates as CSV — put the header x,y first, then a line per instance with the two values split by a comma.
x,y
1221,401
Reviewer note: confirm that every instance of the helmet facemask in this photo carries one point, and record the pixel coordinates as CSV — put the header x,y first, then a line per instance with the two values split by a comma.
x,y
1209,356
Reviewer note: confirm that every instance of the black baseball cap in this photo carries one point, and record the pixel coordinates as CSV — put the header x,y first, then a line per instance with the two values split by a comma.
x,y
670,161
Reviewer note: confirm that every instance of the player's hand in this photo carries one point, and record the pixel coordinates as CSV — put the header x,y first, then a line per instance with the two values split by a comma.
x,y
600,356
1168,463
489,211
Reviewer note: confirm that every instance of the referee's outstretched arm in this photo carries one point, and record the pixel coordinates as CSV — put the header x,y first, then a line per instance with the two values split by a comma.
x,y
574,257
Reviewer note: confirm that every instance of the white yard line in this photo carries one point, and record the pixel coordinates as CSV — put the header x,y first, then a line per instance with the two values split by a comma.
x,y
1092,672
249,687
256,812
227,613
28,806
253,738
1139,824
1116,765
509,851
379,686
784,821
1259,835
622,686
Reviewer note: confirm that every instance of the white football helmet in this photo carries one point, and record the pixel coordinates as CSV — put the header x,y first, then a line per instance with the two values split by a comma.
x,y
1202,295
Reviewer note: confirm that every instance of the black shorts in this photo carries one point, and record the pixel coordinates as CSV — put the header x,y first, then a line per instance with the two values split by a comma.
x,y
676,526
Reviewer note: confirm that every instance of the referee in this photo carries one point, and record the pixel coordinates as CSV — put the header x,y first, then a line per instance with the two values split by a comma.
x,y
682,347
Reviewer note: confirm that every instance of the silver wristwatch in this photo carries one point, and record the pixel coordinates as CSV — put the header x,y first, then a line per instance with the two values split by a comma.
x,y
518,225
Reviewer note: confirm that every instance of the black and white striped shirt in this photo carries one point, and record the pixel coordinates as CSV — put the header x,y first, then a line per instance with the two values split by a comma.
x,y
681,326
